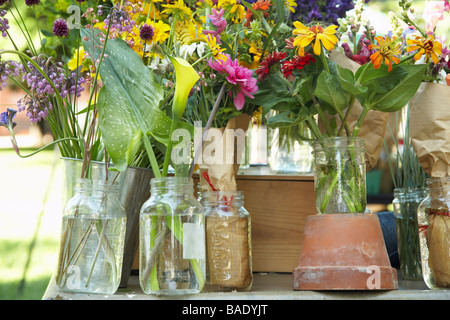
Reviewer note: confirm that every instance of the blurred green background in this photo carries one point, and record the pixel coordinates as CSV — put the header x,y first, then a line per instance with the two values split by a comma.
x,y
30,213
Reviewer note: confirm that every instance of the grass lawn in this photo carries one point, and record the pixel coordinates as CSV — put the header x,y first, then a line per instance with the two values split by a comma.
x,y
30,213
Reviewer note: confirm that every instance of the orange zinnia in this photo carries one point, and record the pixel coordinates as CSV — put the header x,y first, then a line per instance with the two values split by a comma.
x,y
386,50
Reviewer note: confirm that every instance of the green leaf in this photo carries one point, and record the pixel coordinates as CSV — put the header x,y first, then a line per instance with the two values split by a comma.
x,y
348,83
404,89
128,106
329,90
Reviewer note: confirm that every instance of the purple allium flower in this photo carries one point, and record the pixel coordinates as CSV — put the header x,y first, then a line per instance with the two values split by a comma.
x,y
32,2
37,107
4,23
120,20
7,69
60,28
6,118
146,32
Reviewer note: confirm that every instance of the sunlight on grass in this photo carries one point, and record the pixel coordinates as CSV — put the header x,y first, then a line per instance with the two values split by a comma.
x,y
30,197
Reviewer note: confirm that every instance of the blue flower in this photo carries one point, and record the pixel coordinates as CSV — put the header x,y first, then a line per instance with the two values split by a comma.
x,y
6,118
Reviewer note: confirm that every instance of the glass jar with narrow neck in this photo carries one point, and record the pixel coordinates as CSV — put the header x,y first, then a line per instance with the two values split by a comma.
x,y
172,239
92,239
434,233
228,241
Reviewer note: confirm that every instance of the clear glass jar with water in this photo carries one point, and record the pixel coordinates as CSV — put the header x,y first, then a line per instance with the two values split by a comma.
x,y
92,239
172,239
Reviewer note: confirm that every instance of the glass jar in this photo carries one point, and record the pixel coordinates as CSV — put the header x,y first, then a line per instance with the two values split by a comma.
x,y
92,239
228,241
434,233
340,175
406,202
290,149
172,239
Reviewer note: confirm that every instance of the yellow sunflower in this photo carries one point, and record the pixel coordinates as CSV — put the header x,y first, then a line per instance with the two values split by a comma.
x,y
321,37
428,47
387,49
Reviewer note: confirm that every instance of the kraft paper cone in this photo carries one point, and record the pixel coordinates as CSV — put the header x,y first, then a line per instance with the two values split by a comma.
x,y
375,123
430,128
226,153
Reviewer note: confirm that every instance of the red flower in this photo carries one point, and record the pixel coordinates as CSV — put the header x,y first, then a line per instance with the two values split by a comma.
x,y
269,61
297,62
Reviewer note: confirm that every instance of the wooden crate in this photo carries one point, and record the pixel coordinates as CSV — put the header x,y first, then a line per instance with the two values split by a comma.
x,y
278,205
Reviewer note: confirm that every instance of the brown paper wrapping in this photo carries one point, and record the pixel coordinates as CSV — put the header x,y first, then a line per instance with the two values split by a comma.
x,y
375,123
223,175
228,252
430,128
438,242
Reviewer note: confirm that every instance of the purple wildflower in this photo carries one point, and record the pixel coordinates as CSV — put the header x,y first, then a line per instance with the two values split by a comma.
x,y
37,107
60,28
8,69
6,118
4,23
2,2
329,11
120,20
32,2
146,32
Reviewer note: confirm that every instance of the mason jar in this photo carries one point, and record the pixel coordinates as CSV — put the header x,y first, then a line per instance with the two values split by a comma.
x,y
92,239
434,233
228,241
172,239
340,175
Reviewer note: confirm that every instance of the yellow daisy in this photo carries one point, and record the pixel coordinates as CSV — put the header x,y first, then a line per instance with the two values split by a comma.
x,y
321,37
178,9
428,47
215,48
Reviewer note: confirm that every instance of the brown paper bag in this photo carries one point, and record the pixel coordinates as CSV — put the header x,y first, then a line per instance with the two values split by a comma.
x,y
430,128
227,152
375,123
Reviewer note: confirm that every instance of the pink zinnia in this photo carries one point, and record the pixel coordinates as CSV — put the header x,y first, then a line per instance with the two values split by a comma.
x,y
240,77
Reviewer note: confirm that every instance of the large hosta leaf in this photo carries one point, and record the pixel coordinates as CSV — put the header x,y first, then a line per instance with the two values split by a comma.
x,y
128,108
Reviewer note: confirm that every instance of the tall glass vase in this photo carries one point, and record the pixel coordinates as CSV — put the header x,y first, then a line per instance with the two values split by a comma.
x,y
340,175
406,202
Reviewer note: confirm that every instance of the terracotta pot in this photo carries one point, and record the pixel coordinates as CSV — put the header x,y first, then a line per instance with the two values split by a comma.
x,y
344,252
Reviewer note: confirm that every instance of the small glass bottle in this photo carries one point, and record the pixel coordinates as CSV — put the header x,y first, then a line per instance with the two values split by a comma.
x,y
172,239
92,239
228,241
434,233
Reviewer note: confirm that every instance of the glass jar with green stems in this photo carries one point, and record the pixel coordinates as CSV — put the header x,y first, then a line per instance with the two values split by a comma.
x,y
172,239
340,175
92,239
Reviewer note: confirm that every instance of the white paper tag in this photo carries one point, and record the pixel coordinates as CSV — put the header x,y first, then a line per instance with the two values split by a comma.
x,y
193,241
